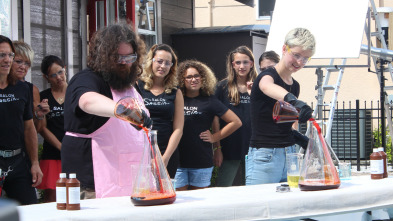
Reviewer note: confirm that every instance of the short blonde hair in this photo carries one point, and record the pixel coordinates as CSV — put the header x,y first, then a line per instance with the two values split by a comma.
x,y
24,50
300,37
208,78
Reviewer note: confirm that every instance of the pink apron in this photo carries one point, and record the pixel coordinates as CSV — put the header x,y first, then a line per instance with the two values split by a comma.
x,y
116,146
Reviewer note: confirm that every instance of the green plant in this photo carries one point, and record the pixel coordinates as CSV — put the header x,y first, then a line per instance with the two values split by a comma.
x,y
378,141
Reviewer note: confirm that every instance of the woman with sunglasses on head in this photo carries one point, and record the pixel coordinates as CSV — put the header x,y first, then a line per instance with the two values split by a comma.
x,y
52,129
24,56
158,87
230,152
270,141
197,83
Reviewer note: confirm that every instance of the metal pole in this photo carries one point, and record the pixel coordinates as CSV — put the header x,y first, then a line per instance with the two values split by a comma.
x,y
382,94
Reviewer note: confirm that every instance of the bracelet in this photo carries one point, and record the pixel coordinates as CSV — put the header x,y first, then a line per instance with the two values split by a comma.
x,y
36,116
216,148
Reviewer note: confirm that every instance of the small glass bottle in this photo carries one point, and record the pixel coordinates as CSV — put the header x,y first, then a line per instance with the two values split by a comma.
x,y
385,165
61,192
376,165
73,193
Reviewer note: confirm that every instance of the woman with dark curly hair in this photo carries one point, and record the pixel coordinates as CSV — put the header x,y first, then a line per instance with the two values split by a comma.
x,y
232,91
99,147
158,87
197,83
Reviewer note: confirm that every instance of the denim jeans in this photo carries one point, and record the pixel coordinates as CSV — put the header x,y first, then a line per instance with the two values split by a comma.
x,y
267,165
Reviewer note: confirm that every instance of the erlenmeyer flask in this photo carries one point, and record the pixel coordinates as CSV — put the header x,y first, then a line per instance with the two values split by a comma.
x,y
318,171
284,112
129,110
153,185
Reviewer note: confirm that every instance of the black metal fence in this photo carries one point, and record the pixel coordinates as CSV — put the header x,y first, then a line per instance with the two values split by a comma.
x,y
356,130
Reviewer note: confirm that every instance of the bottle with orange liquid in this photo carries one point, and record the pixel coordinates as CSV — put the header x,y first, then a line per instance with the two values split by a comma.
x,y
376,165
385,162
152,185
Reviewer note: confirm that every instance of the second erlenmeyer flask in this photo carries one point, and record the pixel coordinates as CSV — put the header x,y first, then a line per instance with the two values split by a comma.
x,y
152,184
318,171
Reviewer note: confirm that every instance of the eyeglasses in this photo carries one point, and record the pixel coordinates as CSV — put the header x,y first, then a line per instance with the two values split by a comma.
x,y
161,62
245,63
298,57
60,73
21,62
265,68
197,77
11,55
128,59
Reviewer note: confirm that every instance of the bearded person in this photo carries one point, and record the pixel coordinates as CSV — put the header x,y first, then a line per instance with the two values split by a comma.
x,y
99,147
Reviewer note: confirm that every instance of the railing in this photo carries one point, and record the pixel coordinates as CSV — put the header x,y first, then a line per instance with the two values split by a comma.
x,y
356,129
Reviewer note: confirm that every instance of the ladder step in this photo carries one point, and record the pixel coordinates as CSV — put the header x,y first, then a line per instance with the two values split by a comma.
x,y
329,87
333,69
375,33
388,88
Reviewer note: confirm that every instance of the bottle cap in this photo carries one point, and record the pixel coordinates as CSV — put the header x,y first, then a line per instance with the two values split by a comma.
x,y
380,148
375,150
63,175
72,175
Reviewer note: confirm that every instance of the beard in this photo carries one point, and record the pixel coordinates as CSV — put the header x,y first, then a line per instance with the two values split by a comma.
x,y
120,77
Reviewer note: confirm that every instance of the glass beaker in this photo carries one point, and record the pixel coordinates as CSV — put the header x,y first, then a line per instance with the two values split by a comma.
x,y
294,161
153,185
284,112
128,109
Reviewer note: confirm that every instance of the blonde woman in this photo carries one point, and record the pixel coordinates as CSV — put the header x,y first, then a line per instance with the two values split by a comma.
x,y
158,87
197,83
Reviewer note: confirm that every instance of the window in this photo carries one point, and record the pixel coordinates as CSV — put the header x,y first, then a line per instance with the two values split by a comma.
x,y
265,8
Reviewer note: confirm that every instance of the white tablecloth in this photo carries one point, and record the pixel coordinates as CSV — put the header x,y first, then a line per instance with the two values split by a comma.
x,y
259,202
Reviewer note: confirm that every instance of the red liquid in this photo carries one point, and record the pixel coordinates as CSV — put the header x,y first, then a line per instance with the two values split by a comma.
x,y
139,201
284,112
314,188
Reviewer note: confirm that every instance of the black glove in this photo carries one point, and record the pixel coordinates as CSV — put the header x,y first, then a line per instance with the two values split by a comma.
x,y
305,112
147,121
300,139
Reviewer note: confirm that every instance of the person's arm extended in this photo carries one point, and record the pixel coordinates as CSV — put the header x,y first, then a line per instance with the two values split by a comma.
x,y
178,124
233,123
268,87
31,142
97,104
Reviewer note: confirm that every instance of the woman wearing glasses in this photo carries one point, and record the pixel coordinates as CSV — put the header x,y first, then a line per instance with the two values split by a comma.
x,y
269,141
232,91
158,87
197,83
52,129
24,56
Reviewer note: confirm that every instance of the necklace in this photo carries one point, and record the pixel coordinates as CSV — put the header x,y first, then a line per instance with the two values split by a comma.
x,y
60,99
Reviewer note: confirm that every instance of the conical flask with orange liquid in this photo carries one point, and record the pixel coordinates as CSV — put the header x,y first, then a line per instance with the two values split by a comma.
x,y
284,112
317,171
152,184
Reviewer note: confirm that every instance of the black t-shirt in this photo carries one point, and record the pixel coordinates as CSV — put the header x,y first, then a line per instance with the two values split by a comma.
x,y
199,113
76,155
15,109
31,94
235,146
162,110
265,132
54,123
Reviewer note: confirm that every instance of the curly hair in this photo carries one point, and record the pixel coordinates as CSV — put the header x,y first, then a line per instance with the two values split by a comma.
x,y
105,43
208,78
170,80
233,93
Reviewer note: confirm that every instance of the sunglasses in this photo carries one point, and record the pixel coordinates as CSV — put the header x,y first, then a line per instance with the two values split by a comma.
x,y
128,59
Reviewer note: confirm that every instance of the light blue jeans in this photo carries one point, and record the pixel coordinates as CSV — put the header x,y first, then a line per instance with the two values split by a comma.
x,y
267,165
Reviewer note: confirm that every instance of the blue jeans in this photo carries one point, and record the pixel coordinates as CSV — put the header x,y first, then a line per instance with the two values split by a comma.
x,y
267,165
198,177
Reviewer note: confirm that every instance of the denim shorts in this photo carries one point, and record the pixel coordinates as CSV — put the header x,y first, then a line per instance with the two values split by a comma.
x,y
198,177
267,165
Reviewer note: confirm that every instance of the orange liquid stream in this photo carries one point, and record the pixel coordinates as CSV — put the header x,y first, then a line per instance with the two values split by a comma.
x,y
155,160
